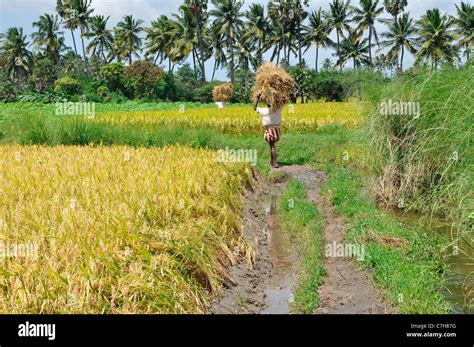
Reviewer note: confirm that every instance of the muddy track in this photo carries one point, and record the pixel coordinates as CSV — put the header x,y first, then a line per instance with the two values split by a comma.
x,y
266,287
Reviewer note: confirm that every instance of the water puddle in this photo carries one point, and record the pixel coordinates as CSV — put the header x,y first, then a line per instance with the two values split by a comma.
x,y
279,289
460,259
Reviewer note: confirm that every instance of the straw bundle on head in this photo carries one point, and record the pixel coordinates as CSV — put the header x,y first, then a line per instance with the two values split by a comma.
x,y
273,85
223,92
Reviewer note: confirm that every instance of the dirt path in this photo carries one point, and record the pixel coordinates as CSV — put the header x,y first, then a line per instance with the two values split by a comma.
x,y
267,286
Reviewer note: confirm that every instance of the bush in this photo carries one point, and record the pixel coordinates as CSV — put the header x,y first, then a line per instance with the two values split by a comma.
x,y
329,90
7,89
204,93
113,74
141,79
68,86
44,74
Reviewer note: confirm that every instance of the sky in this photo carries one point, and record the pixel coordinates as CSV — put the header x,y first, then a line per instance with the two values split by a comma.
x,y
22,13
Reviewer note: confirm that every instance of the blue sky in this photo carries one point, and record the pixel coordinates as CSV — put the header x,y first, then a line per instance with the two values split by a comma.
x,y
22,13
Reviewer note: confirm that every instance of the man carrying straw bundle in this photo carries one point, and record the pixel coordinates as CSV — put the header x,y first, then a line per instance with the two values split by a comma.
x,y
273,87
222,94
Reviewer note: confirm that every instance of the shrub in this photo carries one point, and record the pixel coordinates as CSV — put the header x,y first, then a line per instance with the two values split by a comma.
x,y
68,86
45,73
141,79
330,90
113,75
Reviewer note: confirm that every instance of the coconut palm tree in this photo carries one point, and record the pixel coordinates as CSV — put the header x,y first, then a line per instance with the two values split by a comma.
x,y
49,38
464,23
159,39
354,48
128,36
366,16
217,43
15,57
395,7
299,14
327,65
77,14
317,33
256,30
198,10
102,39
338,16
228,17
435,38
399,36
278,11
186,40
64,10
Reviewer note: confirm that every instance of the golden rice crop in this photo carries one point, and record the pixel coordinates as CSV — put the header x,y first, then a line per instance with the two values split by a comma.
x,y
117,229
243,119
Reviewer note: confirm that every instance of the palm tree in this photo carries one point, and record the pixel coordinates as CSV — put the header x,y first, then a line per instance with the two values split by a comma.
x,y
160,39
101,38
198,10
227,17
299,15
366,16
278,11
317,33
327,65
186,40
220,58
127,33
64,10
395,7
398,38
338,16
355,48
15,58
257,30
77,14
435,38
464,23
49,37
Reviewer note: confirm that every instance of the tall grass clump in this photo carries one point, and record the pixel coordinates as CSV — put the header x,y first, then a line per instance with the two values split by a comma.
x,y
427,157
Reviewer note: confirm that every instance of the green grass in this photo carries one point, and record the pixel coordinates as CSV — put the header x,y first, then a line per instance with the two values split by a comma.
x,y
428,160
411,276
304,224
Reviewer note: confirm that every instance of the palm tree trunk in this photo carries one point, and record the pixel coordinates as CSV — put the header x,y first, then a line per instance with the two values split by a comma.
x,y
231,50
74,41
214,70
84,51
338,49
278,55
316,61
299,44
201,60
194,63
370,47
401,60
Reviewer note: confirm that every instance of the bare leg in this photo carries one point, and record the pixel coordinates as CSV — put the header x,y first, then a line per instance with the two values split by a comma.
x,y
273,155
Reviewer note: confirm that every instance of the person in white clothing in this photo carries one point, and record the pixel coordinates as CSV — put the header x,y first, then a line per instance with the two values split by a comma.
x,y
271,120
